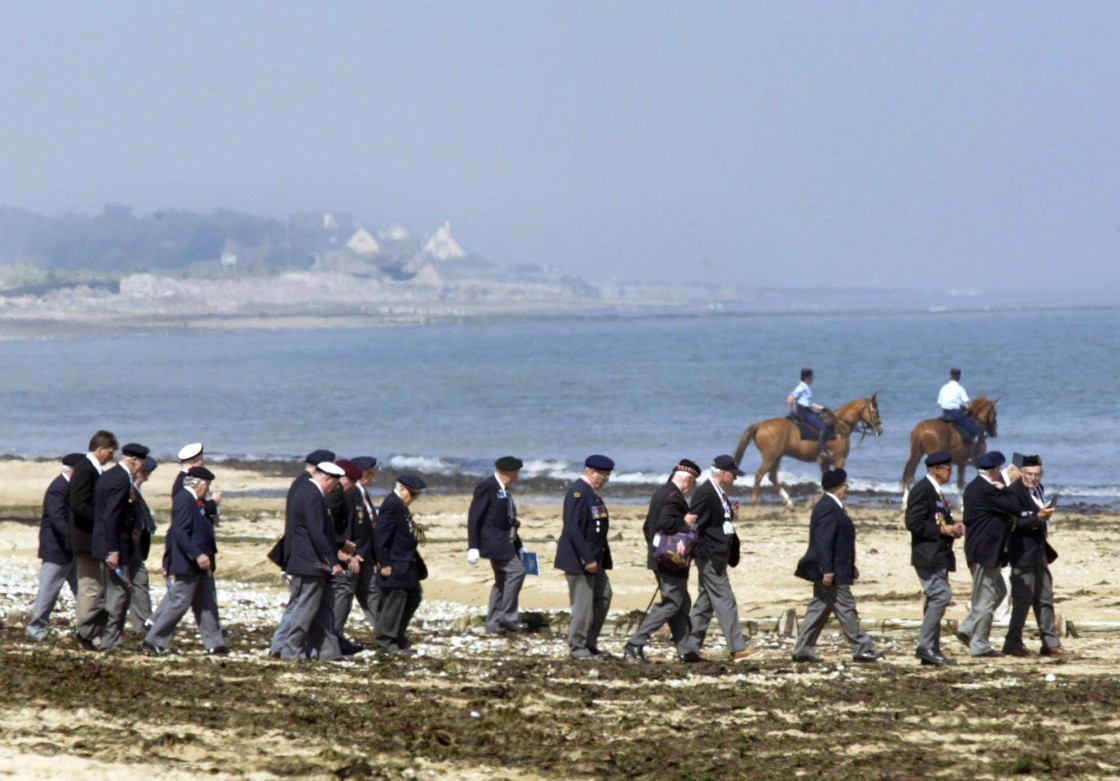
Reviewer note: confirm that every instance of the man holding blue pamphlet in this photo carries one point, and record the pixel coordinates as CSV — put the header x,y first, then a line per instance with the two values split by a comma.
x,y
492,534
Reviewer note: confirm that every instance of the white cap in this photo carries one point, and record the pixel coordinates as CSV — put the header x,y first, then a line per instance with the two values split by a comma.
x,y
187,452
331,468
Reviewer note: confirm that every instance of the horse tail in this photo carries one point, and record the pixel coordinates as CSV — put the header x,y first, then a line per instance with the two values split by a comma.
x,y
745,440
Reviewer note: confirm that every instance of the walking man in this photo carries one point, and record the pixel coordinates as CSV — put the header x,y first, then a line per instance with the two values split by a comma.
x,y
54,550
583,554
492,534
79,503
929,519
400,566
668,516
717,549
830,563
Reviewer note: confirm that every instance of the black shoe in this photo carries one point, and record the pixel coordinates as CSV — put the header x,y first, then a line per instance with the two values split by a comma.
x,y
514,626
273,654
931,657
82,643
691,657
599,654
218,650
635,652
867,656
1018,652
963,638
154,649
349,648
807,659
992,654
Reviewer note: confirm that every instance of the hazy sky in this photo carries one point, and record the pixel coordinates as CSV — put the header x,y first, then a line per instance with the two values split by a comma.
x,y
944,144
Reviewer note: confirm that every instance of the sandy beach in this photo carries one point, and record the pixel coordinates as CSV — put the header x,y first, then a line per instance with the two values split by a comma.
x,y
454,650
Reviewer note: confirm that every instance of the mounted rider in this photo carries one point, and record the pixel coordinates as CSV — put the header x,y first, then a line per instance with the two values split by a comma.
x,y
803,409
956,408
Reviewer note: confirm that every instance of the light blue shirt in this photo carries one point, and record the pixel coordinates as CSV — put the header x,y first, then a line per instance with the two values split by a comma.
x,y
803,395
952,396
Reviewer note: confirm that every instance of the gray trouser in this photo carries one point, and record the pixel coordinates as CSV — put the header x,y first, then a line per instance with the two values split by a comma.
x,y
197,593
397,606
938,591
590,597
508,577
673,610
140,610
988,590
342,597
91,598
1032,587
368,594
118,596
311,631
715,596
51,578
280,636
826,601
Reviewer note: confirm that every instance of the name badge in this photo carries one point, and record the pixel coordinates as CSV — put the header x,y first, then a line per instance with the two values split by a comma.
x,y
728,529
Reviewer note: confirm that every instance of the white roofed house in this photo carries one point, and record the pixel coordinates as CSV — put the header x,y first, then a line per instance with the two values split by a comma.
x,y
363,243
441,245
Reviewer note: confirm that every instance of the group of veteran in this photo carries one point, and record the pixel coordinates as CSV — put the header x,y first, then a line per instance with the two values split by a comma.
x,y
1002,524
96,534
338,546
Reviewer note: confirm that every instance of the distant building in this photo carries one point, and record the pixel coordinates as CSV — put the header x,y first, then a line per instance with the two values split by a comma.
x,y
441,245
394,232
363,243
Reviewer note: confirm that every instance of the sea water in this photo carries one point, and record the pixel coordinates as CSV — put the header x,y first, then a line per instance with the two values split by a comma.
x,y
646,390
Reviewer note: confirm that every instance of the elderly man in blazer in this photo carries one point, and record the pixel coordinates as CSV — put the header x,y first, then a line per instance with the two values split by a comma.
x,y
668,515
989,511
1029,553
830,563
583,554
929,518
310,558
54,549
717,548
492,534
191,563
400,567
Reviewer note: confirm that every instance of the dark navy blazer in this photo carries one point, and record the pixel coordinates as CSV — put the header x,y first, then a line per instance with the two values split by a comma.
x,y
79,503
832,545
1028,542
712,542
584,537
988,514
925,514
395,545
667,509
191,535
309,549
113,515
54,528
492,522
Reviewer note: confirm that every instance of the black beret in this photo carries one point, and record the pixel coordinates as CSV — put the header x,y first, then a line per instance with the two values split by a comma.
x,y
319,456
149,465
991,460
72,459
1032,461
508,464
684,465
134,450
1017,459
602,463
200,473
938,458
365,462
412,482
727,464
834,478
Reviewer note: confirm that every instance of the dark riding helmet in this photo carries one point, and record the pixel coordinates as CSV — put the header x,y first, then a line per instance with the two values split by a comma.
x,y
806,373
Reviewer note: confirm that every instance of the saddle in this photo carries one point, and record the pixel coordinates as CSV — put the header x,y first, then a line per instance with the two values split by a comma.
x,y
966,437
809,432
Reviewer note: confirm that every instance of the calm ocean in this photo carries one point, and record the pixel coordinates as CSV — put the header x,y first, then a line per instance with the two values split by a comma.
x,y
645,390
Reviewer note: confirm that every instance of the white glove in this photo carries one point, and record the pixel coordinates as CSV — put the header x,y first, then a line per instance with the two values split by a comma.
x,y
472,556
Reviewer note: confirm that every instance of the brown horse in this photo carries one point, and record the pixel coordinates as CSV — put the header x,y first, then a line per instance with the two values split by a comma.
x,y
778,437
935,434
